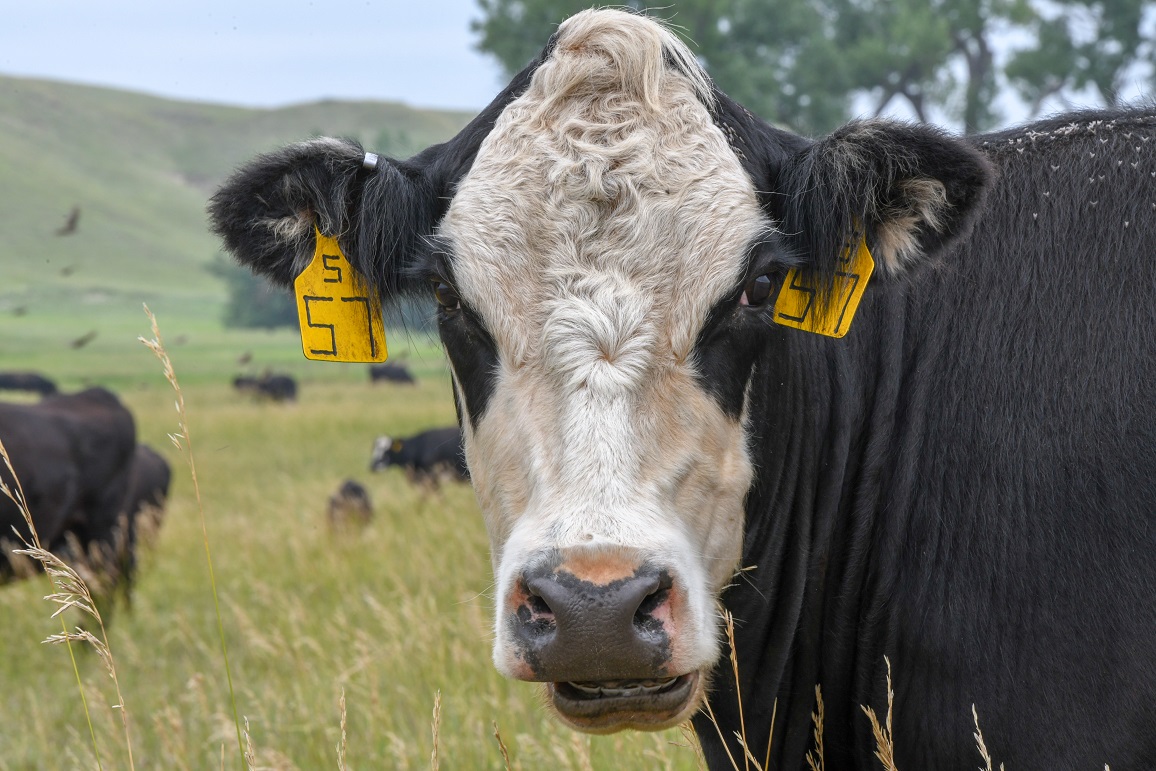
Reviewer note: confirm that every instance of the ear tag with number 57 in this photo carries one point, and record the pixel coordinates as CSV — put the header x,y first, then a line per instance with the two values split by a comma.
x,y
795,306
340,317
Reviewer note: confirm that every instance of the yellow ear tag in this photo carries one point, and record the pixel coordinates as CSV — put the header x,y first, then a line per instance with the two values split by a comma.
x,y
340,318
795,305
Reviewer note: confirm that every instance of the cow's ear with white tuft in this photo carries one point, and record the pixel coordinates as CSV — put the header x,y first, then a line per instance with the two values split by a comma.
x,y
912,189
378,209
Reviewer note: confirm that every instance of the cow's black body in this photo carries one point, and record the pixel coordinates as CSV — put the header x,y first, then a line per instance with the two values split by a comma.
x,y
964,484
27,381
277,388
349,507
390,373
73,455
427,457
149,483
143,510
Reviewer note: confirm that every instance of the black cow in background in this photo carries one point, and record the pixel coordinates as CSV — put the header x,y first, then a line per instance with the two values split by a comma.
x,y
27,381
149,483
143,508
349,508
277,388
74,457
428,458
390,373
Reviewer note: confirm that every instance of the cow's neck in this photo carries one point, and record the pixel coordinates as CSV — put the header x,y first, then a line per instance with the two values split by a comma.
x,y
821,425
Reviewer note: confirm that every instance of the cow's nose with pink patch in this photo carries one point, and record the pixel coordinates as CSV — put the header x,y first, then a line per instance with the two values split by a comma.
x,y
602,632
568,628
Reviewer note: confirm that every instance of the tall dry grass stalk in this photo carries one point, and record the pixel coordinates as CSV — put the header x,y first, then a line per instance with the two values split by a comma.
x,y
884,740
436,729
341,745
734,657
815,761
692,743
983,747
749,759
250,753
70,591
501,746
183,441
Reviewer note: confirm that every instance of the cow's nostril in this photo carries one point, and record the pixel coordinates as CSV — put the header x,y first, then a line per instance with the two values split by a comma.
x,y
538,605
646,616
650,604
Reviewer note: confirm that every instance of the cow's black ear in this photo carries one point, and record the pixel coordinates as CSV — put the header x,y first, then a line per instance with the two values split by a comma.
x,y
267,210
912,189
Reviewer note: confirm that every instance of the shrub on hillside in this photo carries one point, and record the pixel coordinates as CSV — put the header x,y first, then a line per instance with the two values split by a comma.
x,y
252,301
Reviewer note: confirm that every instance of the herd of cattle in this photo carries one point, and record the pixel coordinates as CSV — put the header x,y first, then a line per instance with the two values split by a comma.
x,y
88,485
94,492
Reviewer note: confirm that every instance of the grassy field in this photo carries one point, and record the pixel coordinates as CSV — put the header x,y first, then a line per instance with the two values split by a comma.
x,y
391,617
140,169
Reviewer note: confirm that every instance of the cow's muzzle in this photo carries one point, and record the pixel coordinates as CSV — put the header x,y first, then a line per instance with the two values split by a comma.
x,y
611,705
605,649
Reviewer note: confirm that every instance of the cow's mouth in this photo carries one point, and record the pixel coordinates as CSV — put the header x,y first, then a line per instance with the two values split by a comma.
x,y
613,705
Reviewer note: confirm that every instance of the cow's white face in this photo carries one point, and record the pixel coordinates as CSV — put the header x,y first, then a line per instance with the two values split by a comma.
x,y
603,218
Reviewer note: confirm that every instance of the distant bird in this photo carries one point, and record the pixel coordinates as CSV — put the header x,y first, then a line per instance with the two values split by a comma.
x,y
69,226
83,340
68,271
245,357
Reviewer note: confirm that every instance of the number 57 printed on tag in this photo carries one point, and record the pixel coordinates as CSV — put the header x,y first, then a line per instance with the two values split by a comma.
x,y
340,318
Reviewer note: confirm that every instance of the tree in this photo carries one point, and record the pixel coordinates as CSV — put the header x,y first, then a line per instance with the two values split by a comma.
x,y
251,300
1098,46
780,58
802,62
254,302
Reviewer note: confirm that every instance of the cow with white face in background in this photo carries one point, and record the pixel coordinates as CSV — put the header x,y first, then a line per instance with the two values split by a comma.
x,y
965,483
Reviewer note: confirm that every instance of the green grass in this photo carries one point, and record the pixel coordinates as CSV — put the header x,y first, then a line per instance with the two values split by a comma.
x,y
141,169
391,616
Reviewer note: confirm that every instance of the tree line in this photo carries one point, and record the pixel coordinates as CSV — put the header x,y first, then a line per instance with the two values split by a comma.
x,y
808,64
811,64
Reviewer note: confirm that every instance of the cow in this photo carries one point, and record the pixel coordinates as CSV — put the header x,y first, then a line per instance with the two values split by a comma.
x,y
962,487
349,507
27,381
390,373
148,492
73,455
277,388
428,458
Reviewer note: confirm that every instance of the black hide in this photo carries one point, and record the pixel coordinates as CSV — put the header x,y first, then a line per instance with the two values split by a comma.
x,y
964,484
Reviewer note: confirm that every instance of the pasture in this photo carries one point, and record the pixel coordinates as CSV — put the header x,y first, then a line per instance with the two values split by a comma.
x,y
393,617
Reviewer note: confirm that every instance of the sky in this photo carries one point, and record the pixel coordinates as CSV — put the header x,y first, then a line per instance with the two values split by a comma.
x,y
257,53
271,53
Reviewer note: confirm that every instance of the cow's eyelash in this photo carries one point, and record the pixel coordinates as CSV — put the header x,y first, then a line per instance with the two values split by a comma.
x,y
436,264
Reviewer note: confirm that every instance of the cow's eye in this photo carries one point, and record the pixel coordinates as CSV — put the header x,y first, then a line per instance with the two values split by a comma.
x,y
446,295
757,290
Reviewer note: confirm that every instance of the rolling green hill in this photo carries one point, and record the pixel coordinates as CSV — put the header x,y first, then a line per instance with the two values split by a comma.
x,y
141,168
